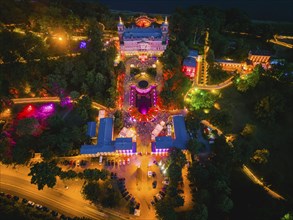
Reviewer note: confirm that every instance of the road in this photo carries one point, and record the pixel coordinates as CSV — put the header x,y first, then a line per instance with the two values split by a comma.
x,y
16,182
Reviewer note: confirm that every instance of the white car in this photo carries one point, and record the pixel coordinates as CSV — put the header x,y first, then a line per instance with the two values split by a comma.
x,y
38,206
166,182
128,161
123,162
150,173
30,203
159,196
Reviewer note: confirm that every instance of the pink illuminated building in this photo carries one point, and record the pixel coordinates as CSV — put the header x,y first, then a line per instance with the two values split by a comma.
x,y
189,66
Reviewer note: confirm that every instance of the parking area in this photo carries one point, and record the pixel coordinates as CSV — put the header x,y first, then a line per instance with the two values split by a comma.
x,y
143,178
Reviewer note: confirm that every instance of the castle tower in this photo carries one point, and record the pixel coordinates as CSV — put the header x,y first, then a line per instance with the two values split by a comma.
x,y
121,28
165,29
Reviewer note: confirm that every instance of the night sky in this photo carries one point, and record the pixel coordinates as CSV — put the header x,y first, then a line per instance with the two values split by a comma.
x,y
278,10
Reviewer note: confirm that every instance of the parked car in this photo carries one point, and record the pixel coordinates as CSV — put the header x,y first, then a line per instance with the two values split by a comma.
x,y
128,197
164,189
123,162
154,174
162,193
8,196
137,206
2,194
165,182
54,213
24,201
159,196
152,202
15,198
150,173
125,193
154,184
128,160
30,203
45,209
38,206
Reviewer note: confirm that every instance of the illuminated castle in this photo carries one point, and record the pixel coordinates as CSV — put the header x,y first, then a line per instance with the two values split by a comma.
x,y
143,38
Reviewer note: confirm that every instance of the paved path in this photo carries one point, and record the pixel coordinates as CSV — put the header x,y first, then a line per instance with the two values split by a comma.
x,y
51,99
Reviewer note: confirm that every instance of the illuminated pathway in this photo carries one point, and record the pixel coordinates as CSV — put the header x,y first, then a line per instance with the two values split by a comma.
x,y
254,179
282,43
50,99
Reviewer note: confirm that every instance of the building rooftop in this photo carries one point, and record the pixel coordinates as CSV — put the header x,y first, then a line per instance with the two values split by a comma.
x,y
137,32
181,135
193,53
105,142
189,61
123,144
91,128
105,133
164,142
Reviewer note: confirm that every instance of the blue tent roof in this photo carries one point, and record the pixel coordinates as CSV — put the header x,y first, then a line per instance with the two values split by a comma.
x,y
164,142
91,128
181,135
193,53
189,61
123,144
105,132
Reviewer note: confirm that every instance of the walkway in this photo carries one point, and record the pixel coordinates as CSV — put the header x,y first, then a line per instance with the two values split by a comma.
x,y
51,99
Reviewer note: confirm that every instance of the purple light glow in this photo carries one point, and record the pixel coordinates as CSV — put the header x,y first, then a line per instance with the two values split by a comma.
x,y
46,110
82,45
143,111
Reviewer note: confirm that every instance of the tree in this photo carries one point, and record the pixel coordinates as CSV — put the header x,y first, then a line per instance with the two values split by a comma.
x,y
22,150
175,173
224,203
248,130
111,196
288,216
164,210
44,173
118,120
92,174
260,156
28,126
201,212
217,74
245,82
200,99
221,119
177,156
74,95
91,191
268,107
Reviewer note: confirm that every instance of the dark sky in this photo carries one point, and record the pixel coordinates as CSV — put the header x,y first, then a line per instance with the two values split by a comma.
x,y
279,10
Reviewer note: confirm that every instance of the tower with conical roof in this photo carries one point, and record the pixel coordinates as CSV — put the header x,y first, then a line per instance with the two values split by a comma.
x,y
165,29
121,29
